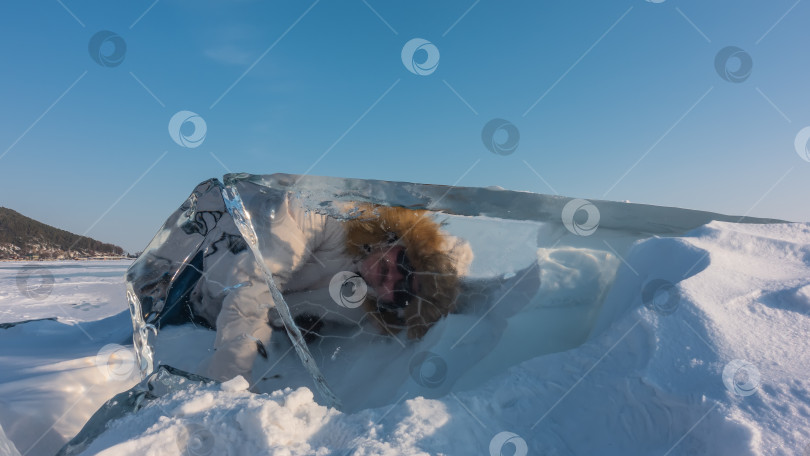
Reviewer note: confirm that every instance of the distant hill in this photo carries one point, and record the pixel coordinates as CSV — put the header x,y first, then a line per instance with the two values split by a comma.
x,y
25,238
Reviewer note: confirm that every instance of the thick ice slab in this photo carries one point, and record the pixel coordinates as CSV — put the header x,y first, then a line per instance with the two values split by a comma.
x,y
541,258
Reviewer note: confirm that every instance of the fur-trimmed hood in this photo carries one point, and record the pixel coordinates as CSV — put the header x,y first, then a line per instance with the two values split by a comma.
x,y
437,259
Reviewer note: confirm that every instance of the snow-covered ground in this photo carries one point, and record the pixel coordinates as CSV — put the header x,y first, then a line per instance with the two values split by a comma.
x,y
717,364
54,373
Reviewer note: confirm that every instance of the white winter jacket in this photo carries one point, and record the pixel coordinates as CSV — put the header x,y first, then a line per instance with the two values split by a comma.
x,y
303,250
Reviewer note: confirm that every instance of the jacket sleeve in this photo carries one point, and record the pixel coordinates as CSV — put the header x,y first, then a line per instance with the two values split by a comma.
x,y
293,237
242,321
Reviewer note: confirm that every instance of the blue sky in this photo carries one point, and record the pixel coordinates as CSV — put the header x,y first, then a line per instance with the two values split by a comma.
x,y
615,100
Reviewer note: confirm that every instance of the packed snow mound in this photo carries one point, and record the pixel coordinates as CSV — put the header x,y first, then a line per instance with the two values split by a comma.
x,y
699,348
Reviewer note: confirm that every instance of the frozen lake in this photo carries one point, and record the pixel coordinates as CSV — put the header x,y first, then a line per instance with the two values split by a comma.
x,y
68,290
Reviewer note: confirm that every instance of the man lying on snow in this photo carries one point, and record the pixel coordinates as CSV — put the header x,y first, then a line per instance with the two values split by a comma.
x,y
411,268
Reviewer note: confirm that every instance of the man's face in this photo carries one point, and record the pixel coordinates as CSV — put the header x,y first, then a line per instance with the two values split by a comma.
x,y
379,270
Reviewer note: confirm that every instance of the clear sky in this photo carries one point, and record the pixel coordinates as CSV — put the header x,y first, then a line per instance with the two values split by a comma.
x,y
619,100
